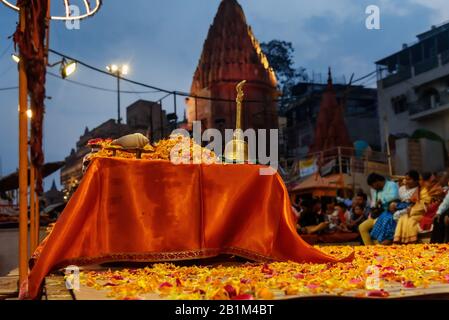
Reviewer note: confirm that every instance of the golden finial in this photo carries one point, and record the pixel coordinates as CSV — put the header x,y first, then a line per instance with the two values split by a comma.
x,y
239,99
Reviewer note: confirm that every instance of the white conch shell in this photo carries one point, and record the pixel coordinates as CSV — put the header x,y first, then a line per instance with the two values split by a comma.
x,y
132,141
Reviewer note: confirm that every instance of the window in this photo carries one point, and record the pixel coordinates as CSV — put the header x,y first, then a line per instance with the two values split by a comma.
x,y
399,104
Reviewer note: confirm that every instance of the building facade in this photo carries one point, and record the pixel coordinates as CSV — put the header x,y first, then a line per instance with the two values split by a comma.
x,y
145,117
148,118
413,94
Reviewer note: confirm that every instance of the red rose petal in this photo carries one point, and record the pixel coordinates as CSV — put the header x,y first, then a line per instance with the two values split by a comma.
x,y
266,269
110,284
378,293
243,297
165,285
355,281
312,286
408,284
230,290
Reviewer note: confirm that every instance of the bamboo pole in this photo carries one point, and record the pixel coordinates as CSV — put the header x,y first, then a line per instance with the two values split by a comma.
x,y
23,163
33,238
38,216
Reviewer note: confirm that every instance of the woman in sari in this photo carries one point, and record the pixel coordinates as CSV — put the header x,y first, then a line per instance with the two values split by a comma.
x,y
407,228
385,226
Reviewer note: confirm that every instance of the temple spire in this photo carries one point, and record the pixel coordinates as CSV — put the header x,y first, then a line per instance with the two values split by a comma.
x,y
53,185
231,53
330,130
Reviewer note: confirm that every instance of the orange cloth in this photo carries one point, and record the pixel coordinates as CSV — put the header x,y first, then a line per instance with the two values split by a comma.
x,y
140,210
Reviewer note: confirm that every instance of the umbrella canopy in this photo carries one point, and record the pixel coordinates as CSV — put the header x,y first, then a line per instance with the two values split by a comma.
x,y
11,182
319,186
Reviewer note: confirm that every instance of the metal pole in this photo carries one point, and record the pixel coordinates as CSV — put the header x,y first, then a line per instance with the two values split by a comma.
x,y
119,120
340,165
387,140
196,108
23,162
151,124
162,121
176,114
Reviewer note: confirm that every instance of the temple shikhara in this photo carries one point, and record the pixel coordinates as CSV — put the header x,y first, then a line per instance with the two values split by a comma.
x,y
230,54
330,131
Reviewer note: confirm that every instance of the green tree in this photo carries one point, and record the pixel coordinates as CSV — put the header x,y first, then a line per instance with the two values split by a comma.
x,y
280,55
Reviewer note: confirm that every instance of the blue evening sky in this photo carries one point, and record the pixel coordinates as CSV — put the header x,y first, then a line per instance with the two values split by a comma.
x,y
162,40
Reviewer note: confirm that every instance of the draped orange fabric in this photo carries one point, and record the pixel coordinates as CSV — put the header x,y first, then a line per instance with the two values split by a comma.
x,y
140,210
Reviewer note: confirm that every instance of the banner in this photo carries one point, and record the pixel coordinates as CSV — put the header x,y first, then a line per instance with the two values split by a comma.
x,y
328,168
308,167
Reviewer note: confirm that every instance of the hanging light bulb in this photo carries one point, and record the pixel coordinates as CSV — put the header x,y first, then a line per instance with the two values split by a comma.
x,y
125,70
15,57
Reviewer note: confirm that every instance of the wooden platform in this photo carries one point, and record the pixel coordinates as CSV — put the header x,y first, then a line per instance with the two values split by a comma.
x,y
56,291
9,287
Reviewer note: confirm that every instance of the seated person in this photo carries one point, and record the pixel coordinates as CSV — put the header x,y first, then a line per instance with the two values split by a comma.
x,y
361,199
425,225
357,216
311,219
383,192
338,219
407,228
436,208
440,232
408,192
345,197
385,225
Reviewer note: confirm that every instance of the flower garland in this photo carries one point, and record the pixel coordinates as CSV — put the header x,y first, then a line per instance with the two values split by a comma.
x,y
177,148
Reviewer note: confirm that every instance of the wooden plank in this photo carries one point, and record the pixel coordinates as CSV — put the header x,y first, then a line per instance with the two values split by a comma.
x,y
9,287
55,288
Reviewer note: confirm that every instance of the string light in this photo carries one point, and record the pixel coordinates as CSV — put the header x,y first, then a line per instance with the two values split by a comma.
x,y
90,10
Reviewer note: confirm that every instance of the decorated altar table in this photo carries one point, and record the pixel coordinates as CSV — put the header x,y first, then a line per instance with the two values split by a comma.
x,y
153,210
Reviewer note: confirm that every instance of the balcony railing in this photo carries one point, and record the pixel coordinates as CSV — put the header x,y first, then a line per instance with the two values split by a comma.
x,y
403,74
426,65
445,57
407,72
336,160
418,107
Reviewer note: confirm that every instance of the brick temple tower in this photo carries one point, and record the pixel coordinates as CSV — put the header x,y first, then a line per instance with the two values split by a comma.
x,y
230,54
330,131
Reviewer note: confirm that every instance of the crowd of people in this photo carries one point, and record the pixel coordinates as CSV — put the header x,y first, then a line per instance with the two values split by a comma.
x,y
394,212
